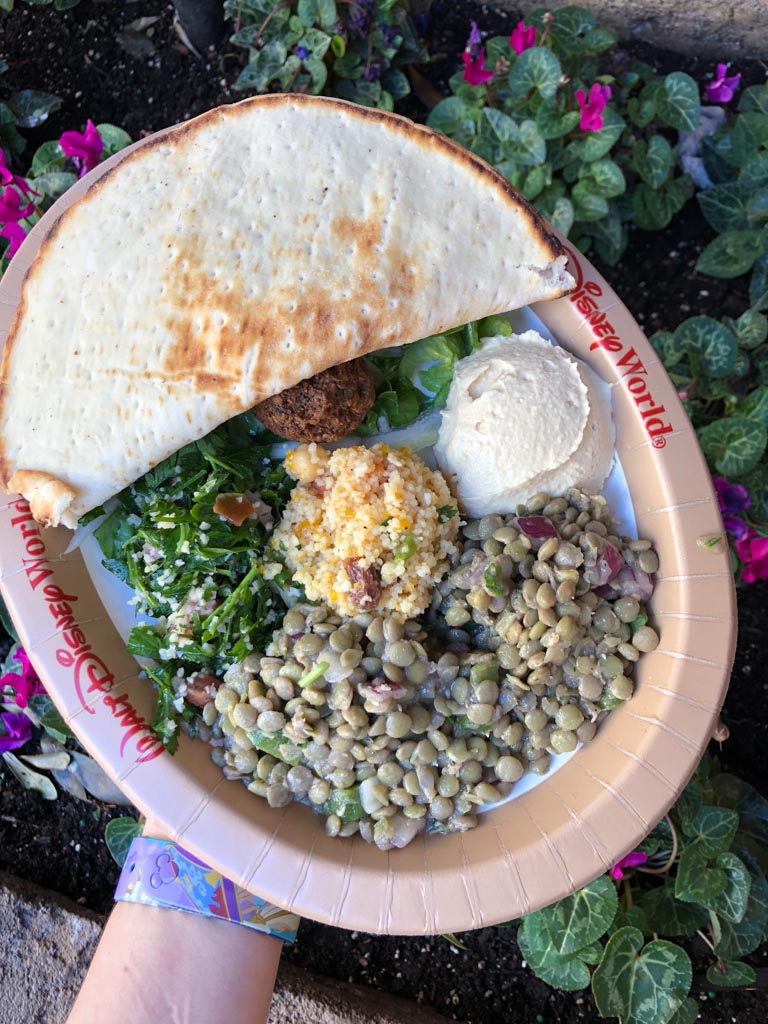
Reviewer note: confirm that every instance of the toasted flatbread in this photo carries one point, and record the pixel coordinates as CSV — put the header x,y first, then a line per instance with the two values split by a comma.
x,y
233,257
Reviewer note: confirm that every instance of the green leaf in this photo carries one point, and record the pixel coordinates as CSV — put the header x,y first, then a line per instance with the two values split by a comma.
x,y
757,208
754,174
748,137
6,5
530,148
725,206
754,99
732,253
48,157
562,215
316,42
714,828
695,881
677,102
318,72
119,833
568,973
599,143
641,984
751,328
689,805
710,341
669,349
31,107
582,918
653,209
502,127
653,161
571,29
754,406
608,178
733,445
10,138
313,12
756,483
48,717
588,205
396,83
448,115
666,915
537,68
552,123
53,184
686,1013
743,937
731,974
758,285
731,904
114,139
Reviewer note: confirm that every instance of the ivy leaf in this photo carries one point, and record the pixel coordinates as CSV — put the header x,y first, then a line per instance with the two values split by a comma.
x,y
695,881
608,178
710,341
731,904
581,918
734,445
641,984
653,161
666,915
714,828
119,833
48,157
731,253
754,406
677,102
537,68
553,124
758,285
725,206
743,937
568,973
31,107
599,143
751,328
448,115
687,1013
731,974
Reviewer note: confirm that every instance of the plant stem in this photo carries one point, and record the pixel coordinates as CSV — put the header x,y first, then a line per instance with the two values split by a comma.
x,y
665,869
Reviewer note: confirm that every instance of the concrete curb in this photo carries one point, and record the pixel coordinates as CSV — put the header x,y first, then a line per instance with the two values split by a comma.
x,y
49,941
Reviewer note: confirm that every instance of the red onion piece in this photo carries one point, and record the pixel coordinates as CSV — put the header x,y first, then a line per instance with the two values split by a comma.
x,y
633,582
536,528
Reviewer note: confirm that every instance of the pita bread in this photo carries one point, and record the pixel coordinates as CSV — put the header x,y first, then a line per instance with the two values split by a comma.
x,y
231,258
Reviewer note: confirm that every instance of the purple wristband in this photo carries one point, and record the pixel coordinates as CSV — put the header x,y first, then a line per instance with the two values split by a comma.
x,y
160,874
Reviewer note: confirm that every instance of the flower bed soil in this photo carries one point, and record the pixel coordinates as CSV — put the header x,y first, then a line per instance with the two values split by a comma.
x,y
60,844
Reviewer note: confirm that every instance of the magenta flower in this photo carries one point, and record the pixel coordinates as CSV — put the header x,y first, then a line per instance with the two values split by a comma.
x,y
25,684
632,860
474,73
721,90
474,42
17,731
15,234
7,177
522,38
85,149
10,206
753,551
592,108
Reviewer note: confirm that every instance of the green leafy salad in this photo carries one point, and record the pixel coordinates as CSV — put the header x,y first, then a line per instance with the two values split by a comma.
x,y
202,578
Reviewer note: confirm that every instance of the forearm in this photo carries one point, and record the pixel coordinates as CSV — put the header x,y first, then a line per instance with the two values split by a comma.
x,y
158,966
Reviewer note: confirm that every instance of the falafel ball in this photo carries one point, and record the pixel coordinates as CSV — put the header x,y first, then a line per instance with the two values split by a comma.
x,y
325,407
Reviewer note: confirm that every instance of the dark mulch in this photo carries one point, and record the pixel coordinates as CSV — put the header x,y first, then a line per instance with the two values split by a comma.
x,y
79,56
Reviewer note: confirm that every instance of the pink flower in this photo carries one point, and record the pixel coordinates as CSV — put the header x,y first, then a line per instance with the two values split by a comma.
x,y
592,108
522,38
85,149
632,860
722,89
15,234
25,684
7,177
474,73
753,551
17,731
10,206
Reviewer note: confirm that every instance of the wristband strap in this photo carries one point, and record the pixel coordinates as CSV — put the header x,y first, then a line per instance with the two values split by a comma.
x,y
161,874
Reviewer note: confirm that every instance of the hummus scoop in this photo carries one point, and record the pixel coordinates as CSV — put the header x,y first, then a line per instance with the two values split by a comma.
x,y
523,416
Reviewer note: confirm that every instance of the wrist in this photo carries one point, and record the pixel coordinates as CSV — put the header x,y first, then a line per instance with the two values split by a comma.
x,y
159,873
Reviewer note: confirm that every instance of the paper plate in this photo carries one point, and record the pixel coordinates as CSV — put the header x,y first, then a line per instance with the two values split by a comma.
x,y
550,840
